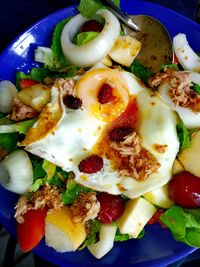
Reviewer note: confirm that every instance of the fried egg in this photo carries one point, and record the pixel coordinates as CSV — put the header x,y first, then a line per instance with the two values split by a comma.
x,y
74,134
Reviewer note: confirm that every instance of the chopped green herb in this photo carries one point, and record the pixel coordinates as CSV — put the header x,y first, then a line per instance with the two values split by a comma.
x,y
183,135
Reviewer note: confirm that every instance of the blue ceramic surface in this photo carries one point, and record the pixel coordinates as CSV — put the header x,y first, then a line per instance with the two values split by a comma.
x,y
157,248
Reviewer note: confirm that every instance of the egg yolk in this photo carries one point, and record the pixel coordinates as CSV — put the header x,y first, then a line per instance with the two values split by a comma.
x,y
88,89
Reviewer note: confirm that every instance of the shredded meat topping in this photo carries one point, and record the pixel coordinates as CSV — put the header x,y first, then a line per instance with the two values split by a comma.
x,y
20,111
180,90
141,162
66,85
85,207
47,196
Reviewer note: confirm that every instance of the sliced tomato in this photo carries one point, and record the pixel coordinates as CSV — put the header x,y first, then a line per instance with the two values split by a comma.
x,y
31,231
25,83
175,61
155,218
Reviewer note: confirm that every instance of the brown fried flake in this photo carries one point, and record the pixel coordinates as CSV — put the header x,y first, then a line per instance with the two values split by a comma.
x,y
85,207
141,163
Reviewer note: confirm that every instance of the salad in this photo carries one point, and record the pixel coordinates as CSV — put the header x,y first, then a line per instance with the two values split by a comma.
x,y
102,146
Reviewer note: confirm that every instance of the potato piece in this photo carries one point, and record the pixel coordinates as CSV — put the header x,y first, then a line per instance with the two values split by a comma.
x,y
61,233
137,213
36,96
177,167
125,49
160,197
106,241
190,157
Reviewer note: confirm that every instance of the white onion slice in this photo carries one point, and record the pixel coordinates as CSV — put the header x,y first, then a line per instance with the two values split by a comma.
x,y
185,54
16,172
94,51
7,92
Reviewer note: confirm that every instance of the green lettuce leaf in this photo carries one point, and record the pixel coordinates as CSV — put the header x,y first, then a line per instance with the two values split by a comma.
x,y
119,237
89,7
184,224
58,56
20,127
72,191
183,135
38,171
140,71
59,177
85,37
94,227
8,141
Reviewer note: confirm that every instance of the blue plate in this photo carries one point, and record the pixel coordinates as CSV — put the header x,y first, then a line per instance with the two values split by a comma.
x,y
157,248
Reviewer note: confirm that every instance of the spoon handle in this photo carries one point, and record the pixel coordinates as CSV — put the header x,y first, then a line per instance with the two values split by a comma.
x,y
122,16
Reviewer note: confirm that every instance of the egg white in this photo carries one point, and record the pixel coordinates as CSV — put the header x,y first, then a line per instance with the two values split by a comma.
x,y
78,131
157,128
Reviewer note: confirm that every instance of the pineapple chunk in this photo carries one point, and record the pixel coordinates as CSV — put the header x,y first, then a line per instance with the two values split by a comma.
x,y
106,241
61,233
137,213
125,49
36,96
177,167
160,197
190,157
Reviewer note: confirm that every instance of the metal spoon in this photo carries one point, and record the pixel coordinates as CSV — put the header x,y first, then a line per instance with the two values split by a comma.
x,y
156,42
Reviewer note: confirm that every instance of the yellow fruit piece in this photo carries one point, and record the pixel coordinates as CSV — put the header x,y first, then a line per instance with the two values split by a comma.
x,y
61,233
36,96
137,213
125,49
160,197
107,61
190,157
177,167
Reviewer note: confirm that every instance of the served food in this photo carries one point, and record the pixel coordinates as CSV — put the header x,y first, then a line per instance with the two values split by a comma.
x,y
103,146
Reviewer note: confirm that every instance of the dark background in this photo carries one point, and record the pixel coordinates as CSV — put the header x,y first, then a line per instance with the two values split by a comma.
x,y
17,15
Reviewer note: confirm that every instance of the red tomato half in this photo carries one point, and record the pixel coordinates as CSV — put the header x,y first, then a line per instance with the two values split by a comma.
x,y
32,230
111,207
25,83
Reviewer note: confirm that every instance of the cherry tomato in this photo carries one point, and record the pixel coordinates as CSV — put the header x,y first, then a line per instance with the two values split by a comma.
x,y
31,231
155,218
25,83
91,26
175,61
111,207
184,189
